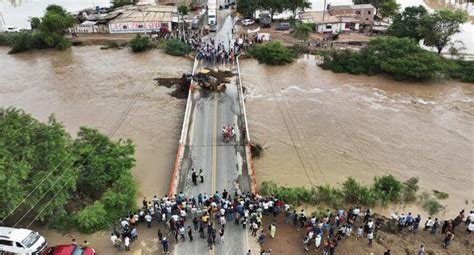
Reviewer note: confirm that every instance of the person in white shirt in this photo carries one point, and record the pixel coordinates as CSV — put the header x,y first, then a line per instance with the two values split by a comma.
x,y
114,238
429,223
127,243
370,236
148,219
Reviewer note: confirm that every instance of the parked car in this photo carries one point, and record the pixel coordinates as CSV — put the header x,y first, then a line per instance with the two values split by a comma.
x,y
283,26
10,29
212,27
247,22
21,241
69,249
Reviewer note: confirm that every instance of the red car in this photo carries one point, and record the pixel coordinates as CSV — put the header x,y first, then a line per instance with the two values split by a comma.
x,y
68,249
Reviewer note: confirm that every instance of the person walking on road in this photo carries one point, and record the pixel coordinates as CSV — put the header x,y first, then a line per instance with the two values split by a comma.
x,y
272,230
261,238
165,243
221,235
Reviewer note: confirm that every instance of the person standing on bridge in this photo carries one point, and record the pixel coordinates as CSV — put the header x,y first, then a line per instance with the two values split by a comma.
x,y
272,230
201,175
194,177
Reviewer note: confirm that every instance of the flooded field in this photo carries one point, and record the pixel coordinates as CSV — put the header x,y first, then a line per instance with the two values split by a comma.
x,y
319,127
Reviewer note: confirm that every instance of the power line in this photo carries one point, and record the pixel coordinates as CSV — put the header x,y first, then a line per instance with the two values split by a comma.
x,y
111,133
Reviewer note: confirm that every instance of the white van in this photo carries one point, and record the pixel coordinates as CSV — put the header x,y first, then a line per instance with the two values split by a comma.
x,y
21,241
211,17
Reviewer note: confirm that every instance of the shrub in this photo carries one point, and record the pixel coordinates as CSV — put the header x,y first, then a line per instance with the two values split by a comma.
x,y
176,48
273,53
462,70
120,199
358,194
410,187
430,204
402,58
7,39
183,9
140,43
388,189
440,195
92,218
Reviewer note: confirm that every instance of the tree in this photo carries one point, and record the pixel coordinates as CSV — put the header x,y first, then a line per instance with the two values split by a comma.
x,y
273,53
273,6
388,8
408,23
140,43
120,3
102,161
403,58
437,28
47,31
303,31
183,9
34,155
294,5
247,8
177,48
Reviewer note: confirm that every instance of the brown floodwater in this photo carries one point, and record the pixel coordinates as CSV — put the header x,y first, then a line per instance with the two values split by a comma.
x,y
319,127
90,87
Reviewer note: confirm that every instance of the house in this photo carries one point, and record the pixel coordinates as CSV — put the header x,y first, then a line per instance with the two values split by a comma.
x,y
94,23
363,12
149,19
326,23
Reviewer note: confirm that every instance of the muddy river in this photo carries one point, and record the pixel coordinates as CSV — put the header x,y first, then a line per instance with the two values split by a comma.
x,y
319,127
91,87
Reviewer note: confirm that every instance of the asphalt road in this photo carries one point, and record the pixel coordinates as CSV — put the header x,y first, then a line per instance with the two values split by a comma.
x,y
222,162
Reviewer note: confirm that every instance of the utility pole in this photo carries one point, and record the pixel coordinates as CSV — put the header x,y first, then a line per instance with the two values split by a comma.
x,y
324,10
143,20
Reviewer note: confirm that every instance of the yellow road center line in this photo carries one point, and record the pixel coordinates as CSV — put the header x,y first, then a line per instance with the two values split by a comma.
x,y
214,148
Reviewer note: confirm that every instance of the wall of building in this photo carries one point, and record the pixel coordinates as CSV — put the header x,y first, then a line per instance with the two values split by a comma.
x,y
90,29
136,27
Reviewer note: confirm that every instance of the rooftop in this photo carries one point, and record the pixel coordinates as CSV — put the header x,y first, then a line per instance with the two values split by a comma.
x,y
352,7
317,17
149,14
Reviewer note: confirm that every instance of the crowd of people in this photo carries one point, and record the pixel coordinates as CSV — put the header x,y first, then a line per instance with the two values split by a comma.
x,y
207,216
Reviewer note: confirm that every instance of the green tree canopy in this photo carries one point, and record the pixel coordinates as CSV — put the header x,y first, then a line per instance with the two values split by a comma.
x,y
120,3
42,170
408,23
140,43
388,8
33,154
102,161
247,8
183,9
294,5
273,53
437,28
303,31
273,6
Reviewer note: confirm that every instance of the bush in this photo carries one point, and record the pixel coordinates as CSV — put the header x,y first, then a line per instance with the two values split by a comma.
x,y
440,195
176,48
7,39
140,43
402,58
120,199
430,204
358,194
273,53
388,189
462,70
410,187
92,218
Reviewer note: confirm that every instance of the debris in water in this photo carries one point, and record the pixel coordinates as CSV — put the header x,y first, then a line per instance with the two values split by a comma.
x,y
182,85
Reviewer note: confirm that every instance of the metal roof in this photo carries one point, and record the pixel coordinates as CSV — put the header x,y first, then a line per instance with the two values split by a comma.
x,y
147,16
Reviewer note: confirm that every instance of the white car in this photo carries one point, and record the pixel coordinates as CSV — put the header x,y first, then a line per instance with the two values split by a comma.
x,y
10,29
247,22
21,241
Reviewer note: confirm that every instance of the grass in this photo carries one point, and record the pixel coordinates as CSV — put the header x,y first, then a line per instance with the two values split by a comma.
x,y
440,195
430,204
